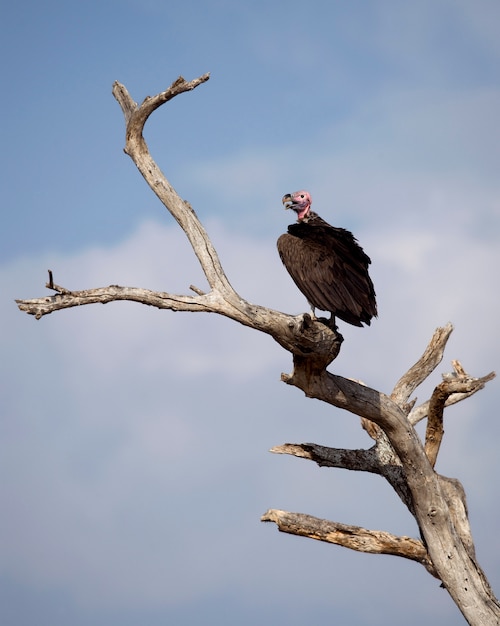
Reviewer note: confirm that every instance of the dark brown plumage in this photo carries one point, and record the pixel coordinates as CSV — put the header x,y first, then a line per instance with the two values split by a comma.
x,y
327,264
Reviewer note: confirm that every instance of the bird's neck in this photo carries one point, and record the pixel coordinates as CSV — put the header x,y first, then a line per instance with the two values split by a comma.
x,y
306,217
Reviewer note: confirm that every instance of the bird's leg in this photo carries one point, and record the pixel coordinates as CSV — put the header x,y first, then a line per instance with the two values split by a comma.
x,y
332,324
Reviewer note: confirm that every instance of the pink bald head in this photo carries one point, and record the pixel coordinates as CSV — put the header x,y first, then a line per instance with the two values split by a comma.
x,y
298,201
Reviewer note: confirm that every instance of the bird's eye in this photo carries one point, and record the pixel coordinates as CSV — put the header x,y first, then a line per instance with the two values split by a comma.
x,y
301,195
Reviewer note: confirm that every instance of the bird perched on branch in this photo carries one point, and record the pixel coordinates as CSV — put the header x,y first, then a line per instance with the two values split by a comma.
x,y
327,264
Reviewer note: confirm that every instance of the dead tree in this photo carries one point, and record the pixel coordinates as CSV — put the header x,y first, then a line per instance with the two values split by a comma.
x,y
445,547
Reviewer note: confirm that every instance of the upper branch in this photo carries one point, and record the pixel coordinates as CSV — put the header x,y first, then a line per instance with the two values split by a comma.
x,y
427,363
136,117
151,103
304,337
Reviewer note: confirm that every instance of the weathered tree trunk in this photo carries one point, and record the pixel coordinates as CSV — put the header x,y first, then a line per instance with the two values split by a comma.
x,y
446,547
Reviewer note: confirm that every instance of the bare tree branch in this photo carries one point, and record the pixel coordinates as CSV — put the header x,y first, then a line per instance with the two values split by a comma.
x,y
356,460
422,411
150,104
458,383
427,363
353,537
135,146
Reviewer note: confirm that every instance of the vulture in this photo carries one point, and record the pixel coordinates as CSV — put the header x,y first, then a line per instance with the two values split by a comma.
x,y
327,264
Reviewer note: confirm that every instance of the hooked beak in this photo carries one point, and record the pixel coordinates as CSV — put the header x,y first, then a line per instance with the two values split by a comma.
x,y
287,201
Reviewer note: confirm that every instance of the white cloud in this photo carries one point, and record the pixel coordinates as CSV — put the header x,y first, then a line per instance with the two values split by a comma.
x,y
144,453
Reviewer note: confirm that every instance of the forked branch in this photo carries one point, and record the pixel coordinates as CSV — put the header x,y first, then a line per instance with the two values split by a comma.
x,y
459,384
135,146
300,335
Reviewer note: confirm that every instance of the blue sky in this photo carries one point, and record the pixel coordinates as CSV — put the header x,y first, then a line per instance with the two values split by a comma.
x,y
134,442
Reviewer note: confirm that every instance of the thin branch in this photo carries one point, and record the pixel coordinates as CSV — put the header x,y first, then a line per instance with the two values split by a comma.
x,y
421,411
66,299
150,104
53,287
427,363
212,302
458,383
